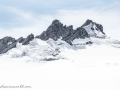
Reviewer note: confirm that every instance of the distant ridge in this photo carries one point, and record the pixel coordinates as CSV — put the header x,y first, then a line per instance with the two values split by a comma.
x,y
57,31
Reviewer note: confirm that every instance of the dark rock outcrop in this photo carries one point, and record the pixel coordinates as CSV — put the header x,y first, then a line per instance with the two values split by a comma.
x,y
28,39
21,39
87,22
8,43
5,43
98,26
78,33
56,30
9,46
6,40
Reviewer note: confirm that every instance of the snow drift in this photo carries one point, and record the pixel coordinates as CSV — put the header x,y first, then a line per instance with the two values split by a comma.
x,y
81,59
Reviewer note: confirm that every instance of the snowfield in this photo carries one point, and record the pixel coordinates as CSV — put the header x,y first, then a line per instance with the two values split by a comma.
x,y
55,65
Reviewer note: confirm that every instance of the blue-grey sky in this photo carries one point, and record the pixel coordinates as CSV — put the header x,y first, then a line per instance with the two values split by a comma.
x,y
34,16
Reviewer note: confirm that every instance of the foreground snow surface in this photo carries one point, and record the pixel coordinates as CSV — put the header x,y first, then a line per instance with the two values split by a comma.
x,y
96,67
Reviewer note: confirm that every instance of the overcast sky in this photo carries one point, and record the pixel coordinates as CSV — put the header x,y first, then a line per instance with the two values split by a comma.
x,y
22,17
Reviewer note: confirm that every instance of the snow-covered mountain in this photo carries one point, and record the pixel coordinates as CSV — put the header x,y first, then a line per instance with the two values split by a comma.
x,y
51,43
61,58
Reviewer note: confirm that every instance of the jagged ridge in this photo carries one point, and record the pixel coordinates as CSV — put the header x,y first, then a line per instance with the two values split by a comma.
x,y
68,34
8,43
56,31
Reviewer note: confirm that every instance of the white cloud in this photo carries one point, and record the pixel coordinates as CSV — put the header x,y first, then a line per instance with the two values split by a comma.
x,y
36,23
109,19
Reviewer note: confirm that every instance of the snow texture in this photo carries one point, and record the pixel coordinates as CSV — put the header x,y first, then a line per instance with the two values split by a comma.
x,y
95,67
57,65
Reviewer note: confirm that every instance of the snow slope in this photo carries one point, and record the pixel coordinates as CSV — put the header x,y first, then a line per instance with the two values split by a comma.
x,y
95,32
79,67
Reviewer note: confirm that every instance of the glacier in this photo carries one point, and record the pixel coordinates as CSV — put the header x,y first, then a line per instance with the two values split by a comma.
x,y
90,63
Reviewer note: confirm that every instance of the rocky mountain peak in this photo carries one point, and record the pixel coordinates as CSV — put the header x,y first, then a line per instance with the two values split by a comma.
x,y
55,21
57,31
94,26
87,22
8,43
6,40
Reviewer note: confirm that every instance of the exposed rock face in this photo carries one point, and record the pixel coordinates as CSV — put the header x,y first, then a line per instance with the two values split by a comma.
x,y
56,30
98,26
5,43
28,39
87,23
6,40
21,39
78,33
8,47
8,43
